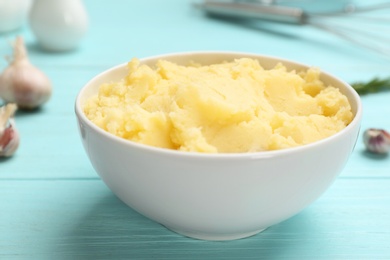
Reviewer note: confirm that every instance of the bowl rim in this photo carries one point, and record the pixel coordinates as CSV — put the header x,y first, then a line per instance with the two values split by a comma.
x,y
356,121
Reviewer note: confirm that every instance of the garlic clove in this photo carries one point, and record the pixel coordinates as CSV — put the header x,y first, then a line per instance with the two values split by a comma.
x,y
22,83
376,140
9,141
9,136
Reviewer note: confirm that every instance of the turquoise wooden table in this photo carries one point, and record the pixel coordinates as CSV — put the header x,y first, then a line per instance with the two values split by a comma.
x,y
54,206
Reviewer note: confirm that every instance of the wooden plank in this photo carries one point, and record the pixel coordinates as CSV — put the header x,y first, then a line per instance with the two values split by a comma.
x,y
50,146
82,219
53,205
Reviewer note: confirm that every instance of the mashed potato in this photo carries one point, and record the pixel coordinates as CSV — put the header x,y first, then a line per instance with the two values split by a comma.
x,y
232,107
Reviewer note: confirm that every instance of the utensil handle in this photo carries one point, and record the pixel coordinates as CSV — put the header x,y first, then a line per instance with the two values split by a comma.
x,y
264,12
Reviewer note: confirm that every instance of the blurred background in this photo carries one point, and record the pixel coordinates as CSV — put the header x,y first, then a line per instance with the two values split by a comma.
x,y
120,30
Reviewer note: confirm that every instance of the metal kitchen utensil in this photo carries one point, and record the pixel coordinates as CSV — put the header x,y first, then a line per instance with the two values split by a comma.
x,y
374,38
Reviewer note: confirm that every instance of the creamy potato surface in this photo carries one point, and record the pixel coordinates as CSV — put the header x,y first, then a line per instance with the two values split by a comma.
x,y
231,107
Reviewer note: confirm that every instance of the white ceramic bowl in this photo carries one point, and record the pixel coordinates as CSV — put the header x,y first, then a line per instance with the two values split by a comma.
x,y
216,196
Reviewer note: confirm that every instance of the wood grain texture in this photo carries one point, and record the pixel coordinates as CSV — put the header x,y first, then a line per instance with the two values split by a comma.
x,y
54,206
82,219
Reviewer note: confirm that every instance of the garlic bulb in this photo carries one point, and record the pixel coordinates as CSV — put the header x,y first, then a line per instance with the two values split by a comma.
x,y
9,136
376,140
22,83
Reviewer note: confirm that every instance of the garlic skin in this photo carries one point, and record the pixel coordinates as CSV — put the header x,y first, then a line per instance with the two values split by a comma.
x,y
377,140
9,140
22,83
9,136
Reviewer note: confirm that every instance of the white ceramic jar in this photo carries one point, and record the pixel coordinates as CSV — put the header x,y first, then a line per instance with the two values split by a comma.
x,y
58,25
13,14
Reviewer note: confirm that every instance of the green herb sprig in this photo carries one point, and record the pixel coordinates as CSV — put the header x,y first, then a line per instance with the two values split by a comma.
x,y
372,86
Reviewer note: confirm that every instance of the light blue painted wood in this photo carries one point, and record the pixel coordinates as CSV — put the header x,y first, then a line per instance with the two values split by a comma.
x,y
82,219
53,205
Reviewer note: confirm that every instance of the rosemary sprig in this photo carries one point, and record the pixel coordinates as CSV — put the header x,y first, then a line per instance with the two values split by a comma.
x,y
371,86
